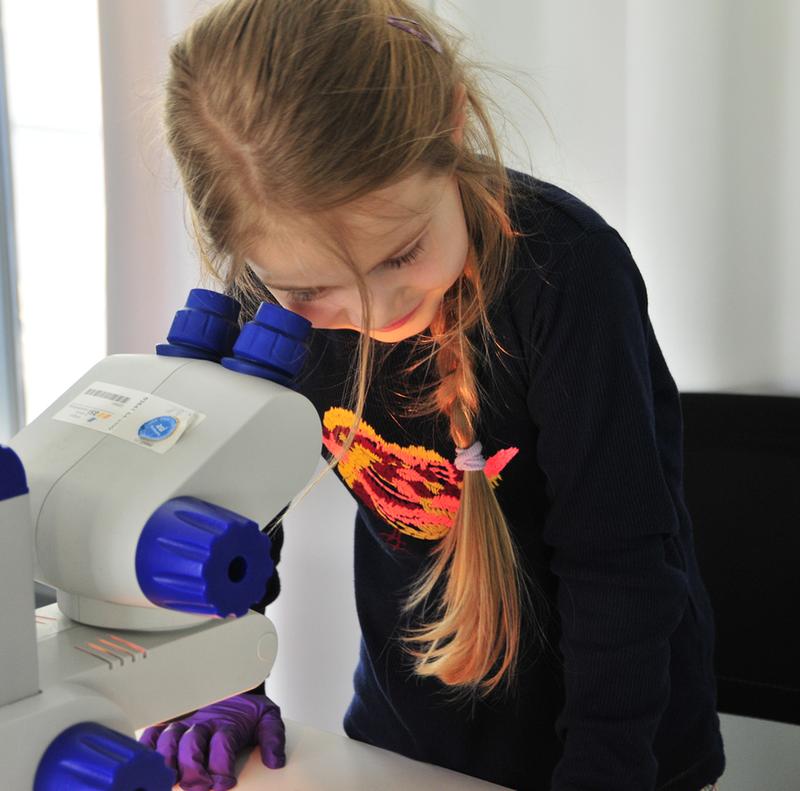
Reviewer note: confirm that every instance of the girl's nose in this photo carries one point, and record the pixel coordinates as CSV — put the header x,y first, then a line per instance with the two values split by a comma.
x,y
385,309
352,311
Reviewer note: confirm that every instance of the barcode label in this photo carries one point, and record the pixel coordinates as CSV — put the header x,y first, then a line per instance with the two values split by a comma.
x,y
145,419
120,399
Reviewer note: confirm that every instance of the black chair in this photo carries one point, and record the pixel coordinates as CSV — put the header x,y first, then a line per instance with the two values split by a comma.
x,y
742,489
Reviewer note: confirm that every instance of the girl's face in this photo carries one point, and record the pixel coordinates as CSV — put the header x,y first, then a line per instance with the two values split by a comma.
x,y
410,243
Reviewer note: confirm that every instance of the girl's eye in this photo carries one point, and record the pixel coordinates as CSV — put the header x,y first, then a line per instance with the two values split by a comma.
x,y
392,263
302,296
396,263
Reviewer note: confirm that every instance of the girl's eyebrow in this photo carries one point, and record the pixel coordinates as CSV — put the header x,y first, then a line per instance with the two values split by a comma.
x,y
414,238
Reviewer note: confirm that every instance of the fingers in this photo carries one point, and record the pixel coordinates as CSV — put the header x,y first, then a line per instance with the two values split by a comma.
x,y
150,735
272,738
167,742
203,749
271,707
192,756
222,759
185,747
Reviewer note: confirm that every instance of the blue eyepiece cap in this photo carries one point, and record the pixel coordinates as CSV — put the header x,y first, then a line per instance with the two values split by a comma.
x,y
273,345
206,328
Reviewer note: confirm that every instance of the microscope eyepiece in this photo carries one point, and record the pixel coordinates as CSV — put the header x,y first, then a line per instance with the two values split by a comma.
x,y
206,328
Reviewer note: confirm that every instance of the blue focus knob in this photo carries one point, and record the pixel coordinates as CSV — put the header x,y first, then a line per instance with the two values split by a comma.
x,y
90,757
273,345
201,558
12,474
205,329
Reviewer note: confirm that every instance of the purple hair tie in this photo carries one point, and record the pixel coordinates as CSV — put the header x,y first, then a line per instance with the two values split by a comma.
x,y
413,27
470,459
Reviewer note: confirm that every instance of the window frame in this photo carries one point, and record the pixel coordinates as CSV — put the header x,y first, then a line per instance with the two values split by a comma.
x,y
12,403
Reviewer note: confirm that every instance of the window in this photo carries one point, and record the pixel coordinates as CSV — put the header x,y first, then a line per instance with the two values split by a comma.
x,y
56,150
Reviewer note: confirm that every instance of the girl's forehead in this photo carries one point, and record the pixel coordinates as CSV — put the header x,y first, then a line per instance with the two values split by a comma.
x,y
383,209
303,247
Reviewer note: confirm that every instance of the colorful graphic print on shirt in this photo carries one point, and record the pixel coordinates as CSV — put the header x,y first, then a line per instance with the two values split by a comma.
x,y
412,488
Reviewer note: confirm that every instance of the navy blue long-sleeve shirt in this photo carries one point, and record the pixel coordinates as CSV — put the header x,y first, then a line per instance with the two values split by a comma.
x,y
582,430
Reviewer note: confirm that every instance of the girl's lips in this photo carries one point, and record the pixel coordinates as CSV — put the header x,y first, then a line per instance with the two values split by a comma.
x,y
400,322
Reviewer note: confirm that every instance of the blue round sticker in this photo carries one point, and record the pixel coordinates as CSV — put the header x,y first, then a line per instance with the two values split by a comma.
x,y
158,428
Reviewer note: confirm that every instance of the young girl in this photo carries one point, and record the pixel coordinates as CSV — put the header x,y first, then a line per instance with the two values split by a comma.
x,y
491,392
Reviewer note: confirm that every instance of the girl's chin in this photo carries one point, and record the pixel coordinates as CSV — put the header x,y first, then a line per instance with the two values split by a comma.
x,y
394,336
413,327
417,324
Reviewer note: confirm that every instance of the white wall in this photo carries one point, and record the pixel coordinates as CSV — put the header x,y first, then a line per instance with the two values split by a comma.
x,y
674,121
150,266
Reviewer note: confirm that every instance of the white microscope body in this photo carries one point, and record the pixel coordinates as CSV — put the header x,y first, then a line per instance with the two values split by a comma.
x,y
148,480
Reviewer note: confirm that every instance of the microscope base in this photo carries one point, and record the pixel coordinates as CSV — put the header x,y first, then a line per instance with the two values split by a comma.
x,y
156,675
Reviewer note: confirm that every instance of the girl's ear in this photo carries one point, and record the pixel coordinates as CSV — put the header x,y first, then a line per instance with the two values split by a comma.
x,y
460,113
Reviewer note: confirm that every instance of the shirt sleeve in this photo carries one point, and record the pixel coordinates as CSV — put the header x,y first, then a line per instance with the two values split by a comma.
x,y
610,514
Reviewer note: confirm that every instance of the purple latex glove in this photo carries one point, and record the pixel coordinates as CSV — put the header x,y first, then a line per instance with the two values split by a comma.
x,y
202,746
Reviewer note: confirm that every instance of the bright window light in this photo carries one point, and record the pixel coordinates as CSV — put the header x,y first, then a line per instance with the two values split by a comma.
x,y
55,116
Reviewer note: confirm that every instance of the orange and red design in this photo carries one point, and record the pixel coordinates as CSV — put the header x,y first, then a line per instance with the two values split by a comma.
x,y
412,488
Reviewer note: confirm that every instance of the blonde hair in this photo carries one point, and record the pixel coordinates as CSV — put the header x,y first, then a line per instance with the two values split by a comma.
x,y
278,108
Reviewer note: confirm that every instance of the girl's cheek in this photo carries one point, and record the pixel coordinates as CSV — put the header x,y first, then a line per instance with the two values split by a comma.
x,y
320,315
295,307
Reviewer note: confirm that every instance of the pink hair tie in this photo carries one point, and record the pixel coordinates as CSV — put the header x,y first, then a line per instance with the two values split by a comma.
x,y
414,28
470,459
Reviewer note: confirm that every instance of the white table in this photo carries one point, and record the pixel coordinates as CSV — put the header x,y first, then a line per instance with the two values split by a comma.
x,y
321,761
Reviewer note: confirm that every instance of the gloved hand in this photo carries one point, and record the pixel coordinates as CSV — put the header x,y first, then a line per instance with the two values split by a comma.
x,y
215,734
